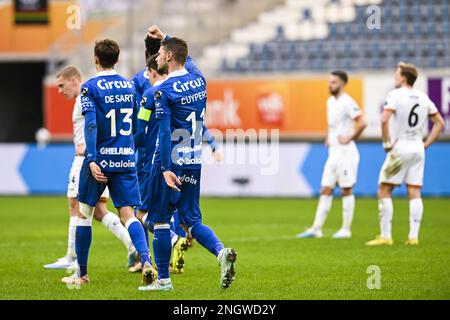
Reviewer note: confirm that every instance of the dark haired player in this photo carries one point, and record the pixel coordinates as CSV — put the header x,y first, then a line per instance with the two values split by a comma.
x,y
345,125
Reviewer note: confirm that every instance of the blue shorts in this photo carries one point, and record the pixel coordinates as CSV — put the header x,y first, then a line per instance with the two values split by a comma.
x,y
144,188
164,200
123,188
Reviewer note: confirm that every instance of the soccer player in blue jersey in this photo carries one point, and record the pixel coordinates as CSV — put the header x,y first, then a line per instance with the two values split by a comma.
x,y
143,83
145,138
180,103
107,104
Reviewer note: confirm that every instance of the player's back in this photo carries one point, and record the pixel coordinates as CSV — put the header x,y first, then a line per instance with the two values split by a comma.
x,y
111,96
187,100
412,108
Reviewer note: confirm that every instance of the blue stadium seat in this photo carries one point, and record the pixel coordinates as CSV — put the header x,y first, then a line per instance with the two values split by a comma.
x,y
412,30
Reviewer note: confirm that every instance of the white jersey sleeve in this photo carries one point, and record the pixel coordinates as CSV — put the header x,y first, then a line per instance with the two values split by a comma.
x,y
391,100
431,107
352,108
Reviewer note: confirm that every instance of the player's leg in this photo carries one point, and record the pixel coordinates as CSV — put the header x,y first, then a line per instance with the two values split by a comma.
x,y
385,214
112,222
137,235
414,181
392,174
150,203
177,228
347,172
348,209
322,210
89,194
124,190
161,209
144,189
189,210
329,178
69,260
415,213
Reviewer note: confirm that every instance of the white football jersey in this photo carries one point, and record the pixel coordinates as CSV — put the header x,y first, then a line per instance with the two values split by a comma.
x,y
412,108
78,123
341,113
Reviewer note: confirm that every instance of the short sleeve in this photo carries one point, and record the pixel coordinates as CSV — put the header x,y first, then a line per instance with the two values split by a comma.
x,y
87,100
353,110
391,101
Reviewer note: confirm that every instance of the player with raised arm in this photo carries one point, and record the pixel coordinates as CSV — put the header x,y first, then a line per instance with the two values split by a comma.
x,y
180,103
142,83
69,85
411,109
107,104
146,136
345,125
145,139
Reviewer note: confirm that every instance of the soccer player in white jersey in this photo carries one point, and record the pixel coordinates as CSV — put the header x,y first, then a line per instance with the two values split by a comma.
x,y
411,109
69,85
345,125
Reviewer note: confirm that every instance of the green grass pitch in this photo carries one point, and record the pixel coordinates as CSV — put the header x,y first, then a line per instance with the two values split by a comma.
x,y
271,264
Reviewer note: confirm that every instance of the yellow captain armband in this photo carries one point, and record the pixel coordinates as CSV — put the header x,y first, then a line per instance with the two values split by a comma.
x,y
144,114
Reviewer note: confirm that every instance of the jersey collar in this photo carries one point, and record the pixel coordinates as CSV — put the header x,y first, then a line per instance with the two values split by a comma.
x,y
106,73
157,83
177,73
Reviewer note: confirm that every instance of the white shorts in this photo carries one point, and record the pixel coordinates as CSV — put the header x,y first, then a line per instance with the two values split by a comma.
x,y
341,169
401,166
74,179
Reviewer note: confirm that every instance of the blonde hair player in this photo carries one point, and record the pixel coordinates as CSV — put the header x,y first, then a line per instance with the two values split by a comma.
x,y
405,157
69,85
345,125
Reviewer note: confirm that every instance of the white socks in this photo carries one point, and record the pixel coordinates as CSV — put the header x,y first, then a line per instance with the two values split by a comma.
x,y
415,217
386,210
323,208
348,208
113,224
71,238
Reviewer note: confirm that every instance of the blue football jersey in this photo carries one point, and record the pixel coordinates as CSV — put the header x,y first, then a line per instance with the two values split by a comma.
x,y
141,84
148,127
112,98
182,99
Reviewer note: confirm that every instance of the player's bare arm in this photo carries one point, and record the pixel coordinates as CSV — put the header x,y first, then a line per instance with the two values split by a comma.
x,y
387,144
438,126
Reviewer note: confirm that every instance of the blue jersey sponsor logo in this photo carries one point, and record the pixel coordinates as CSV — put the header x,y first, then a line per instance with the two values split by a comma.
x,y
182,99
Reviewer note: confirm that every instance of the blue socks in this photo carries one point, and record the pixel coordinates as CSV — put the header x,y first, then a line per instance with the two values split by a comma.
x,y
146,236
83,239
207,238
162,248
176,225
137,235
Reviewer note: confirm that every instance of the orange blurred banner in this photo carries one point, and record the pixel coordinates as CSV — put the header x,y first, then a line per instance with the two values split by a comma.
x,y
293,106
